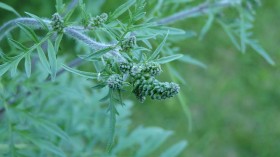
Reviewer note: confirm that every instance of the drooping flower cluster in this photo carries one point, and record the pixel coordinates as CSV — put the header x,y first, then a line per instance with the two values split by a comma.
x,y
128,43
144,81
98,20
57,23
149,86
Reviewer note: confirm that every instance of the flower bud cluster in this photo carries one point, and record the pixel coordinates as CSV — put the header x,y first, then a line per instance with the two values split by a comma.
x,y
57,23
98,20
152,68
145,84
125,67
128,43
149,86
115,81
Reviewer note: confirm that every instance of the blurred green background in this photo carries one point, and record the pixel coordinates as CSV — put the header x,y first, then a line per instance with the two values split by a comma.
x,y
234,103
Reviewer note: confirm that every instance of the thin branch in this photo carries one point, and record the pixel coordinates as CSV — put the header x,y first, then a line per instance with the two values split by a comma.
x,y
10,25
202,8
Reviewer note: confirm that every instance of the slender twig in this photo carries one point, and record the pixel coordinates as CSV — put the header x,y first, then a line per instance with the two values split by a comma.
x,y
202,8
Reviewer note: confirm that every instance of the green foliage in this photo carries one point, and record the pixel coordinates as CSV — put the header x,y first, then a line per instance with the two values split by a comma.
x,y
127,47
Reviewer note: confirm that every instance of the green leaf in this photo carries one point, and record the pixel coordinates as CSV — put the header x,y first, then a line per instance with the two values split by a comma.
x,y
44,25
28,32
154,138
27,64
43,59
52,59
242,28
123,8
88,75
53,129
4,68
157,51
48,146
175,150
59,6
207,26
14,66
8,8
98,54
261,51
188,59
57,42
230,34
168,58
17,45
112,124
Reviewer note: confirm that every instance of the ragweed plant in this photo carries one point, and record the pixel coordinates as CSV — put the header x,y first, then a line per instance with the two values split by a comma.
x,y
125,51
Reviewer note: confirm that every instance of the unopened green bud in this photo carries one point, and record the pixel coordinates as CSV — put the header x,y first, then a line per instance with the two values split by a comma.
x,y
128,43
57,23
115,81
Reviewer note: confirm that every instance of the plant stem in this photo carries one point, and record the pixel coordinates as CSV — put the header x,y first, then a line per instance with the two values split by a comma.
x,y
202,8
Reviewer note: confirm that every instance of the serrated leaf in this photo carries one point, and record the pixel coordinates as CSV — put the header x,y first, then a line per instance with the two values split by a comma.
x,y
17,45
52,59
9,8
168,58
43,59
159,48
27,64
123,8
28,32
188,59
112,123
175,150
88,75
261,51
44,25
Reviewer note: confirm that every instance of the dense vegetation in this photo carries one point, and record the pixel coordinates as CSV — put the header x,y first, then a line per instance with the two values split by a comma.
x,y
49,107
